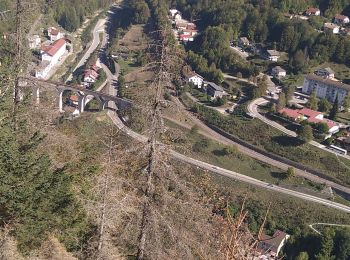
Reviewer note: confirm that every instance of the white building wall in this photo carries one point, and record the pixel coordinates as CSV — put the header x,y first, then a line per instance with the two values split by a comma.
x,y
197,81
324,91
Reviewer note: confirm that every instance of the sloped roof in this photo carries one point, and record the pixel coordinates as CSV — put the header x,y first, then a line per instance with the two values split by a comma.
x,y
279,69
340,17
327,81
273,52
330,26
188,72
53,48
312,10
214,86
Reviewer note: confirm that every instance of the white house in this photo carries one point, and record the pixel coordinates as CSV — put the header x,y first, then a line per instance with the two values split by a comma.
x,y
313,11
192,77
90,76
54,34
34,41
50,56
52,53
272,55
278,72
332,27
325,72
270,246
325,88
175,14
341,19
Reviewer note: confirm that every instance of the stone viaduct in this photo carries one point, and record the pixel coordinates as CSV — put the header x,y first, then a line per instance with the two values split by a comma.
x,y
84,95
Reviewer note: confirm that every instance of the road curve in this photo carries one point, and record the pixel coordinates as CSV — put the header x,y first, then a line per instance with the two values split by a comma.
x,y
253,110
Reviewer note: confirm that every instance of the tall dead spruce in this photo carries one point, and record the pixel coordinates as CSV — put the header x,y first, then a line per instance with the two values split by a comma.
x,y
162,54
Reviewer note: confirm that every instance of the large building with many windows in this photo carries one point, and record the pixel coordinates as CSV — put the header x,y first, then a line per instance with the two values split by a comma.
x,y
325,88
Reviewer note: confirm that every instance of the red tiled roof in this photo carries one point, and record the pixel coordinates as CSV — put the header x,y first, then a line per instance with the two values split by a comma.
x,y
91,73
309,112
289,112
74,98
340,17
53,48
312,10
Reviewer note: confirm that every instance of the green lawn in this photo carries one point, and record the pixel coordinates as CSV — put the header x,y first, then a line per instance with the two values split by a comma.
x,y
272,140
213,153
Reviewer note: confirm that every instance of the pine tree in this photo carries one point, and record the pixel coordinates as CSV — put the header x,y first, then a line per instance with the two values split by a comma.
x,y
334,110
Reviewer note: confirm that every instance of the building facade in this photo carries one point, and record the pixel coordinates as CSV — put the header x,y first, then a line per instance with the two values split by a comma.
x,y
325,88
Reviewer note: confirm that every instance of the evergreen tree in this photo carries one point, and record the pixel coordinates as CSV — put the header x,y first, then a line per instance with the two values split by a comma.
x,y
334,110
312,104
282,102
306,133
324,105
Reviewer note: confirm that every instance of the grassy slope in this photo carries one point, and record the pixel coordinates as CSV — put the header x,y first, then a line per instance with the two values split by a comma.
x,y
270,139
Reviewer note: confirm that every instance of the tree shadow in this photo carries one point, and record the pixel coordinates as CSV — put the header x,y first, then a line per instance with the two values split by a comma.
x,y
287,140
219,152
279,175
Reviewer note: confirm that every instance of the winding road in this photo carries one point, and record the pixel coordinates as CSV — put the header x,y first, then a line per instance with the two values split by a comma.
x,y
206,166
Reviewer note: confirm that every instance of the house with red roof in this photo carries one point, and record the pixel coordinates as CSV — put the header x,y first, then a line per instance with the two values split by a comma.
x,y
313,11
310,116
341,19
90,76
54,34
50,56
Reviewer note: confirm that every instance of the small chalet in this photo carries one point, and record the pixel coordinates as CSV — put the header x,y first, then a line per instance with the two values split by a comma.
x,y
278,72
192,77
325,73
311,116
74,100
272,55
243,42
331,27
341,19
90,76
270,246
54,34
214,90
313,11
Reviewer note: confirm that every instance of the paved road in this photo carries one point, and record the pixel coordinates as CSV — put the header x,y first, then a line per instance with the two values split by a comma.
x,y
326,224
226,76
99,28
253,110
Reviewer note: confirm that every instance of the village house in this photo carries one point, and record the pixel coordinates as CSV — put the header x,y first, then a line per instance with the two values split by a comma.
x,y
341,19
270,246
50,56
310,116
325,88
313,11
175,14
192,77
278,72
90,76
325,72
272,55
74,100
34,41
331,27
243,42
214,90
54,34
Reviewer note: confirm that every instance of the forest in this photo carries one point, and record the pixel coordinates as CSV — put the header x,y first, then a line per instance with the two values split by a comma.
x,y
263,21
71,13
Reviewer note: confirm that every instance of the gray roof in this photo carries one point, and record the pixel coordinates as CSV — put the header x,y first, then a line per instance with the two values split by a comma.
x,y
334,83
279,69
214,86
273,52
244,40
328,70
